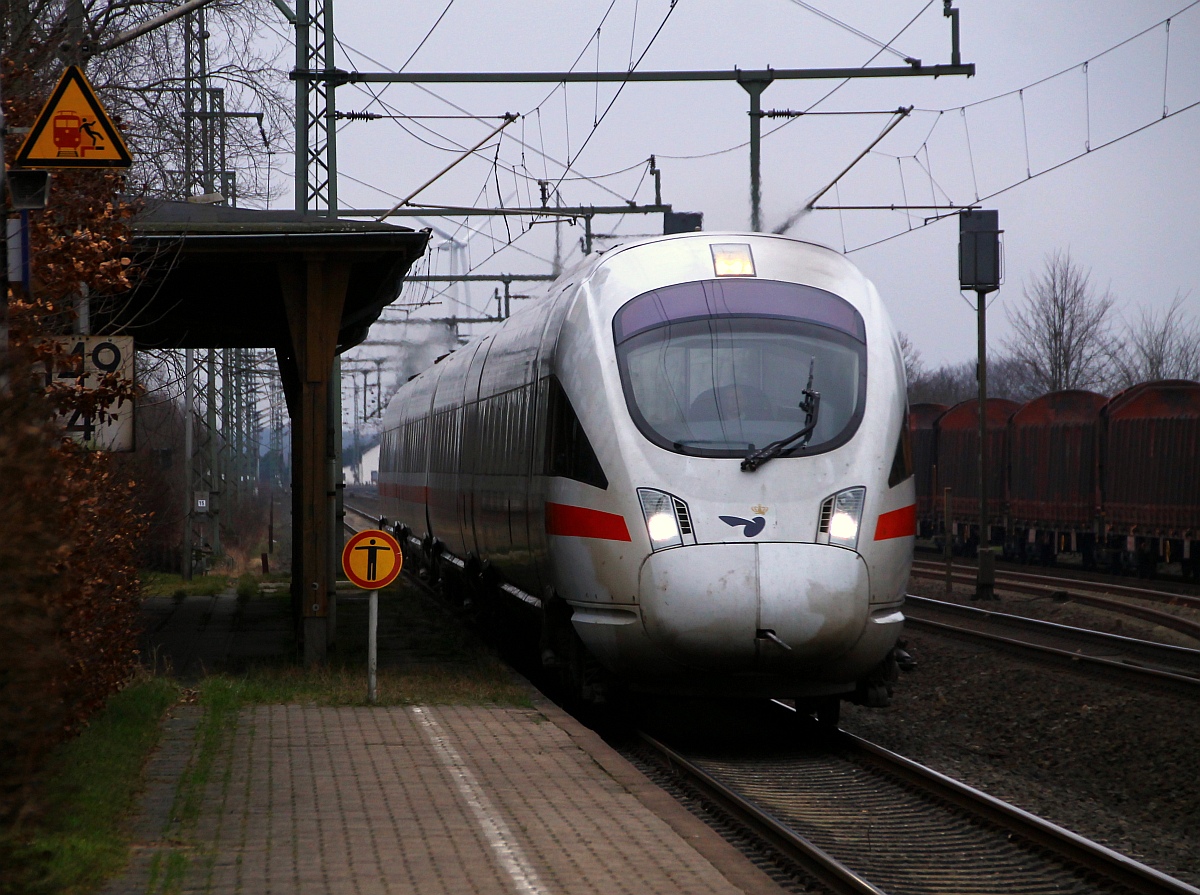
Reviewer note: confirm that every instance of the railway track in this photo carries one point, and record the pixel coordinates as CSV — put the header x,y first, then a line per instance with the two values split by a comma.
x,y
363,519
1102,595
860,819
1161,665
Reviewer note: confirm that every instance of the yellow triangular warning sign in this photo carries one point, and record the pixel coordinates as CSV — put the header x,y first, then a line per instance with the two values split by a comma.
x,y
73,130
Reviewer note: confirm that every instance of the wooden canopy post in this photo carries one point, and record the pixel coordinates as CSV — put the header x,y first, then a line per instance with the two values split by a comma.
x,y
314,292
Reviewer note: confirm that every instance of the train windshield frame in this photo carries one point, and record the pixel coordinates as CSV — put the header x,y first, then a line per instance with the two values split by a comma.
x,y
714,368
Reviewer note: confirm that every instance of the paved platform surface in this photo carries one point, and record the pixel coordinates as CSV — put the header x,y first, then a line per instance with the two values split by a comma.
x,y
412,799
198,634
422,799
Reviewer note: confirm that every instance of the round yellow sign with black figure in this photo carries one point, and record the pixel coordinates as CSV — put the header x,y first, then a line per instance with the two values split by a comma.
x,y
372,559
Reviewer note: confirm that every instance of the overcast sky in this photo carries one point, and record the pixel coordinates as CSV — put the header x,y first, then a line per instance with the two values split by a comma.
x,y
1126,212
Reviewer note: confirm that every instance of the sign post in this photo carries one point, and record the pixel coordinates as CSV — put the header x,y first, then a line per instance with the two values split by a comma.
x,y
980,267
372,560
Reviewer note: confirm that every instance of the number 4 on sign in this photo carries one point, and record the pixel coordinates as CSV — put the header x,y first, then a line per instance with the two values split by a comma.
x,y
82,424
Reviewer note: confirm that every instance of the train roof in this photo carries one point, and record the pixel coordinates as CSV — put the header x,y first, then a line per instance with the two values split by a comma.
x,y
1072,405
965,414
1167,398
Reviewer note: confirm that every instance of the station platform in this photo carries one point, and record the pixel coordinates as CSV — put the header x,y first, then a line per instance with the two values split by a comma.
x,y
411,799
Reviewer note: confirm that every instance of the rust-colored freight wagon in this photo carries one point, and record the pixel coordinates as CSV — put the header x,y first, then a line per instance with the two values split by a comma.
x,y
921,420
1150,467
958,458
1053,455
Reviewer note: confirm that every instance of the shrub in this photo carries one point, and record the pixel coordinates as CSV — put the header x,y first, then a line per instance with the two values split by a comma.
x,y
247,587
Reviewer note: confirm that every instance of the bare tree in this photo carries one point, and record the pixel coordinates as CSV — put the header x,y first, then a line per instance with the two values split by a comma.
x,y
143,83
1062,330
914,367
1166,347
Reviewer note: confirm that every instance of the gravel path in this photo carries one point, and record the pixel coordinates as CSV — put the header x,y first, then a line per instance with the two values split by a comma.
x,y
1118,765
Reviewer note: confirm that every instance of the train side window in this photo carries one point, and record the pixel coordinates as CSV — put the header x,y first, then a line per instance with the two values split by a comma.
x,y
902,463
568,451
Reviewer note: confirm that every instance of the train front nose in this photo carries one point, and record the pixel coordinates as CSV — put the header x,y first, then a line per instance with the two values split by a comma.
x,y
735,606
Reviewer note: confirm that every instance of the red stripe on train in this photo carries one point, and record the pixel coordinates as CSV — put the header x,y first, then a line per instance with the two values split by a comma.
x,y
581,522
897,524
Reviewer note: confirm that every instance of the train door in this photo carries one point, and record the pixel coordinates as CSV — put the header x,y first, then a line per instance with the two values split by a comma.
x,y
445,467
475,449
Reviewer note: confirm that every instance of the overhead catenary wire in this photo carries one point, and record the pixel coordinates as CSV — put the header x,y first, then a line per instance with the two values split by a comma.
x,y
855,31
567,166
1020,95
809,109
522,143
428,35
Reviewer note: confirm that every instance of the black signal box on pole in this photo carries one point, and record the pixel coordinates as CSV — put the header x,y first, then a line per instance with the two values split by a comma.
x,y
682,222
980,260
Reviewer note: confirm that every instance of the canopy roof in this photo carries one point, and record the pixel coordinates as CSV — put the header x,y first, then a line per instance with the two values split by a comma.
x,y
214,274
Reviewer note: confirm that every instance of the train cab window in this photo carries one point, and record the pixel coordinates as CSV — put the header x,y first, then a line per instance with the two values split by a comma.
x,y
568,451
717,368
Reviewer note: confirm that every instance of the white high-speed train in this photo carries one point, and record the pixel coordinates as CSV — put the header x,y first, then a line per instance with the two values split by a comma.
x,y
687,469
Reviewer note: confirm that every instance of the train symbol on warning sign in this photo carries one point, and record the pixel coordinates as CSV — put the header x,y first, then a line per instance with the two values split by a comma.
x,y
70,128
372,559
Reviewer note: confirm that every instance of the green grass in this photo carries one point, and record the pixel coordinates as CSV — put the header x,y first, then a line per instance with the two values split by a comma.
x,y
485,682
164,584
248,586
92,786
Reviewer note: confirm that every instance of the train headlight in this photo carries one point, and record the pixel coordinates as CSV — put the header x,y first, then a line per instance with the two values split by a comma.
x,y
732,260
841,517
667,520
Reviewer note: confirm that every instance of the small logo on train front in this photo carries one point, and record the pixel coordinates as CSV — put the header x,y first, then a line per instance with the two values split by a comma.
x,y
750,527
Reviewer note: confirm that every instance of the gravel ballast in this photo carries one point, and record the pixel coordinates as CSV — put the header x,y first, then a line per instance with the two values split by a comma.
x,y
1118,764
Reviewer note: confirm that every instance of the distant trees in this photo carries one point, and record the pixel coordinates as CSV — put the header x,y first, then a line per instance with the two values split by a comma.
x,y
1158,347
1062,330
951,383
1066,335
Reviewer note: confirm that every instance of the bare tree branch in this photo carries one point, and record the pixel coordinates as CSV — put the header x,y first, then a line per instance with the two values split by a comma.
x,y
1166,347
1062,330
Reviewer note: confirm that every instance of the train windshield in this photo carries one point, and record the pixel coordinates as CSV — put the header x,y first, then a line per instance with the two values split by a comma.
x,y
719,368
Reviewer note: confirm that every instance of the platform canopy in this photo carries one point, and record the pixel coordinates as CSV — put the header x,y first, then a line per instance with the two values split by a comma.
x,y
307,286
215,276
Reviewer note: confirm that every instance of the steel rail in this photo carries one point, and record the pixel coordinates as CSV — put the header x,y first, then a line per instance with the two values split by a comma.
x,y
1036,833
822,865
1117,867
1041,651
374,520
1156,616
932,567
1178,657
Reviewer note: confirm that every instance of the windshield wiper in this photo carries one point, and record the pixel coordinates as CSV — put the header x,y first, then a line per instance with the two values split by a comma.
x,y
811,405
